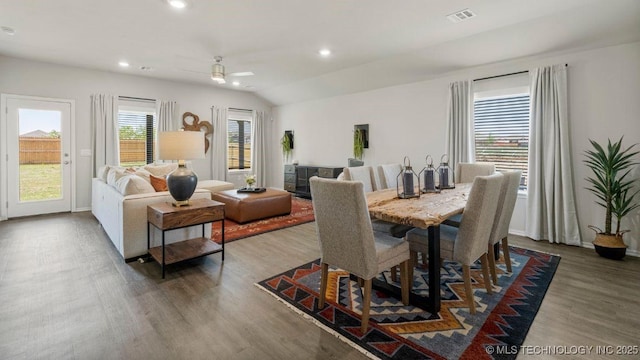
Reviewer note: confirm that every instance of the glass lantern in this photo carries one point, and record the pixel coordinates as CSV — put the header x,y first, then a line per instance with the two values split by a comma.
x,y
407,178
428,174
445,174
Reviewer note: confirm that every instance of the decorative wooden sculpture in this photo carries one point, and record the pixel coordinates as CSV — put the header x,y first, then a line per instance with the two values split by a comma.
x,y
197,125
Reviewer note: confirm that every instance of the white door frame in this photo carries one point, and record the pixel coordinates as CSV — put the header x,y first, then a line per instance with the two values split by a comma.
x,y
4,148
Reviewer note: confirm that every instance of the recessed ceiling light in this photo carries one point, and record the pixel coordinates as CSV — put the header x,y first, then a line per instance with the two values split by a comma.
x,y
178,4
236,83
7,30
123,64
324,52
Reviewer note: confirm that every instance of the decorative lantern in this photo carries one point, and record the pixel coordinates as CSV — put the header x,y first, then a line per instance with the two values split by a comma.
x,y
445,174
429,176
407,178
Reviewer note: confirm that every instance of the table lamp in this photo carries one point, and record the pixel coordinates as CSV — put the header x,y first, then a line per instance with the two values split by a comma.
x,y
181,146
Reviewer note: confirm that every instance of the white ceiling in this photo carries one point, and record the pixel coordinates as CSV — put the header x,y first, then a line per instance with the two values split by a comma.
x,y
375,43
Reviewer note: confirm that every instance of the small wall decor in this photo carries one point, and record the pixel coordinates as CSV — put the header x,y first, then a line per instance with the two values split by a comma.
x,y
286,143
197,125
360,140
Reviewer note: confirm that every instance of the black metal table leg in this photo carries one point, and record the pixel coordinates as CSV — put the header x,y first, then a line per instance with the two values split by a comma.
x,y
434,268
163,254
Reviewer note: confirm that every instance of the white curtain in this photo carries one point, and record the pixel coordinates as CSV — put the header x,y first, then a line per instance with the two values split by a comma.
x,y
219,144
104,123
167,116
551,209
460,141
259,153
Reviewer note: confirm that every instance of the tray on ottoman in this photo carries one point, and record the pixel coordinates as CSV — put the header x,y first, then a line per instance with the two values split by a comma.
x,y
245,207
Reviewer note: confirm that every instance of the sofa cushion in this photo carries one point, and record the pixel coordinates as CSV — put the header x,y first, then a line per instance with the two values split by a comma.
x,y
103,171
130,184
158,183
161,169
114,174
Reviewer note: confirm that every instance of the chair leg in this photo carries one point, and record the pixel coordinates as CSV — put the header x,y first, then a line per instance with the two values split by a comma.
x,y
366,304
505,251
492,264
360,282
405,281
485,273
394,273
323,284
414,258
425,258
466,275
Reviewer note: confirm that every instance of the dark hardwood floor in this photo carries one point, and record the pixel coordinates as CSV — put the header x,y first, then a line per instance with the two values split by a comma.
x,y
65,293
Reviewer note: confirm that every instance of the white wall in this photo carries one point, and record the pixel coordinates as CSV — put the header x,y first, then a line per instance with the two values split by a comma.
x,y
23,77
604,94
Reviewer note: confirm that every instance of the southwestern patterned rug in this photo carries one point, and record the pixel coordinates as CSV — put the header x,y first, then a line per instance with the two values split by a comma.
x,y
396,331
301,212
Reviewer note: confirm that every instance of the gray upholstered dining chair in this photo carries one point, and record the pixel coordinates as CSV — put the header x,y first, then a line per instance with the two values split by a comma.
x,y
467,243
366,175
348,241
361,173
388,175
500,230
466,172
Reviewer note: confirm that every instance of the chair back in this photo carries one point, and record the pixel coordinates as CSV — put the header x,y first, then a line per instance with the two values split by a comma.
x,y
363,174
343,226
506,204
477,221
388,175
466,172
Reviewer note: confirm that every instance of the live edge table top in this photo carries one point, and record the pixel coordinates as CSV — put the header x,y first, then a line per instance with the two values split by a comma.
x,y
165,216
428,210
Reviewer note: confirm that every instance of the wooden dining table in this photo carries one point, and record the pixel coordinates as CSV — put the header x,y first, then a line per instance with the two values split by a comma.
x,y
428,211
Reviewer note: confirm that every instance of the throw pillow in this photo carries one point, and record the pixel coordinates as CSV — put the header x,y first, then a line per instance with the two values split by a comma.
x,y
114,174
161,170
143,174
130,184
158,183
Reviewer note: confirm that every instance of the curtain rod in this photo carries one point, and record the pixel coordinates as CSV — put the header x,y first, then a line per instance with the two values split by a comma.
x,y
135,98
236,109
509,74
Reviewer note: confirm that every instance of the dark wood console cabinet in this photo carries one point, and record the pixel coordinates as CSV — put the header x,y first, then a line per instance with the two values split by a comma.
x,y
296,177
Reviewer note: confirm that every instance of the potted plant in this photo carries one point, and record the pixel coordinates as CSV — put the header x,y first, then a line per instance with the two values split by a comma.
x,y
358,143
286,143
611,166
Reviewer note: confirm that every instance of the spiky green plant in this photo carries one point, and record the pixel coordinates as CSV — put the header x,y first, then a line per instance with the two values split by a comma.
x,y
358,144
610,185
285,143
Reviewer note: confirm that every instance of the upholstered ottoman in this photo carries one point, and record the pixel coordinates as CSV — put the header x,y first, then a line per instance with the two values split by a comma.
x,y
245,207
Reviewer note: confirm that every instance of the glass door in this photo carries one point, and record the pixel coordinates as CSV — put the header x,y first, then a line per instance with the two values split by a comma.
x,y
38,156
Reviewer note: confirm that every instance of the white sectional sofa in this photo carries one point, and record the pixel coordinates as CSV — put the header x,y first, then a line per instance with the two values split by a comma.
x,y
124,217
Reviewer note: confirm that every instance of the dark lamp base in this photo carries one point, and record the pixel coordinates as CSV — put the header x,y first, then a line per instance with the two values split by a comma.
x,y
182,184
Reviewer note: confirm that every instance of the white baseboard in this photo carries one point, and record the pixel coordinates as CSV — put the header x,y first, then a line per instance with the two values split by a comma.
x,y
82,209
587,245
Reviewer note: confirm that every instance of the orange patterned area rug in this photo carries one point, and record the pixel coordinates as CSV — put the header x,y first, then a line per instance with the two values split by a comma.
x,y
301,212
498,328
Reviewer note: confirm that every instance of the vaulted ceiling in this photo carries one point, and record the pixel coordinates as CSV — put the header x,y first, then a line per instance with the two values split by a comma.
x,y
374,43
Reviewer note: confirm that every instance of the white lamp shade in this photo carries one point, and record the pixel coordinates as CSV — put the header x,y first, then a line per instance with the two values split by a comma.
x,y
181,145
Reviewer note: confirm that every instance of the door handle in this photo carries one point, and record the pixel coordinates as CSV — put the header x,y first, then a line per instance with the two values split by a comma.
x,y
67,162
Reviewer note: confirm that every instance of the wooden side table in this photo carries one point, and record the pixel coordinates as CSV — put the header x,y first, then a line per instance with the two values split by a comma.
x,y
165,216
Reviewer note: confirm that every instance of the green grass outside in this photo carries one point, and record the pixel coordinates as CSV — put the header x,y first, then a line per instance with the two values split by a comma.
x,y
40,182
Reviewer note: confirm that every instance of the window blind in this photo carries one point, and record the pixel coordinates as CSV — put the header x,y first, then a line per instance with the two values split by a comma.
x,y
502,132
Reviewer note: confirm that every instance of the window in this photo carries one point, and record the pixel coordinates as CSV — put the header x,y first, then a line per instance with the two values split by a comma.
x,y
137,125
239,140
502,131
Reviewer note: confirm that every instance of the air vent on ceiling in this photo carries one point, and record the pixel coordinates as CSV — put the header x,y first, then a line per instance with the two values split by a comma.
x,y
461,16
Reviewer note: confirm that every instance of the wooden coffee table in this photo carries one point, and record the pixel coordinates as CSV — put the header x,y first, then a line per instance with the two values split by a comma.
x,y
165,216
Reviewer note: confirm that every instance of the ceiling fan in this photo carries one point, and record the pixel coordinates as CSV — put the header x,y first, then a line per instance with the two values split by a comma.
x,y
218,71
